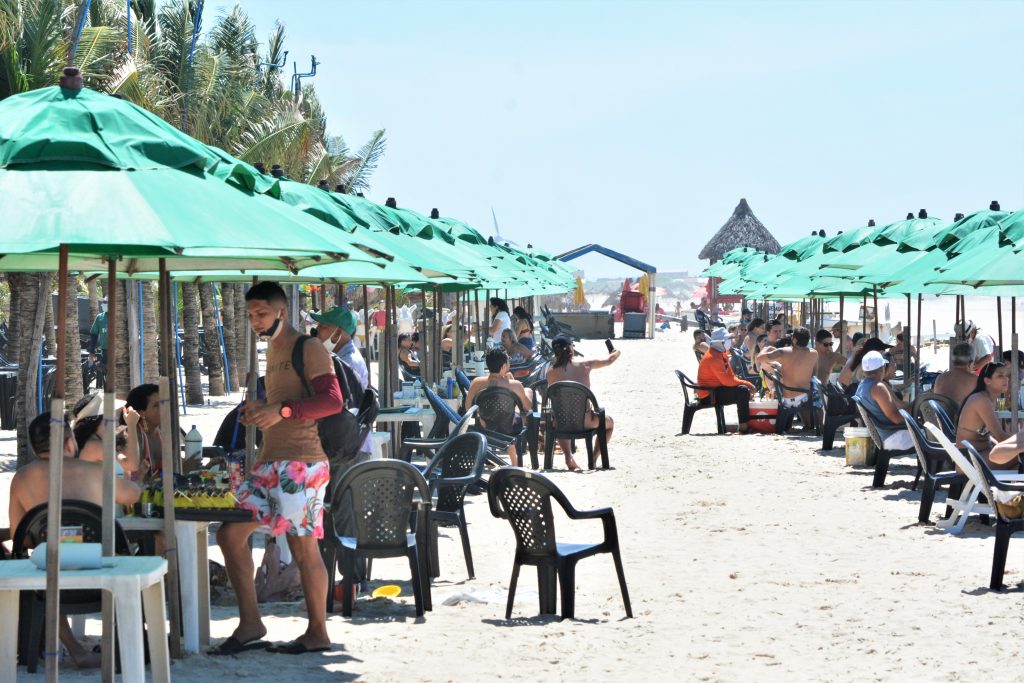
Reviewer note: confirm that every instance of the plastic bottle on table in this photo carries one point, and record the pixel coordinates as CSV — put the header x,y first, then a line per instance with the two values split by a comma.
x,y
194,444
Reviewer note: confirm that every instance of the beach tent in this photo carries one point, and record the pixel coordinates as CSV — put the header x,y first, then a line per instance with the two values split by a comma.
x,y
648,270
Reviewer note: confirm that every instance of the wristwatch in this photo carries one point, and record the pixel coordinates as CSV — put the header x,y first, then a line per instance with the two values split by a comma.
x,y
285,411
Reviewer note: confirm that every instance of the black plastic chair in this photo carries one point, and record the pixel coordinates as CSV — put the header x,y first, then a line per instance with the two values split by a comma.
x,y
741,368
882,454
462,379
457,465
784,415
1005,527
566,408
497,412
690,407
389,504
933,411
440,431
936,467
524,499
832,423
923,412
30,533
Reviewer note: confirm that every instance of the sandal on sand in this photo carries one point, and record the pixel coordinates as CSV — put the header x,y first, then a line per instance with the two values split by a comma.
x,y
233,646
296,648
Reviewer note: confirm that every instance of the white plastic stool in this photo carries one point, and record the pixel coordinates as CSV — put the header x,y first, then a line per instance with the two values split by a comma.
x,y
381,443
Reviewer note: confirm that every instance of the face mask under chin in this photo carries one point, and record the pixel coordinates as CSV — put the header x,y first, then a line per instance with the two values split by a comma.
x,y
330,344
271,333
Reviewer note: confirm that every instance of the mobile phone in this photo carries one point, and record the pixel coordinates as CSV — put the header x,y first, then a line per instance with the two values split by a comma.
x,y
608,345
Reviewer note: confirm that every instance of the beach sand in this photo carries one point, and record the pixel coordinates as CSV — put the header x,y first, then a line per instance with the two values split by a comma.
x,y
747,558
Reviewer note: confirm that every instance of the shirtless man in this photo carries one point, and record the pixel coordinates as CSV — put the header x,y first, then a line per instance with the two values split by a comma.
x,y
958,382
80,480
828,356
566,369
499,376
797,366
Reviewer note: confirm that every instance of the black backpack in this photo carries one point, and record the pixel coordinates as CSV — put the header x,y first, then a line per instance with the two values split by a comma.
x,y
341,434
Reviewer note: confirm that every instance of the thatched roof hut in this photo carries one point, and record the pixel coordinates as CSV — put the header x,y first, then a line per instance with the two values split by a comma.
x,y
741,230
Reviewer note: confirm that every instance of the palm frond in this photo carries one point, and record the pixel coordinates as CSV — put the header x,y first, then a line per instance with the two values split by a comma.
x,y
368,155
270,140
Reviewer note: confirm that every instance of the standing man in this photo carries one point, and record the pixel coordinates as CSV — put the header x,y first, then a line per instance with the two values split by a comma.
x,y
336,330
983,346
98,343
285,489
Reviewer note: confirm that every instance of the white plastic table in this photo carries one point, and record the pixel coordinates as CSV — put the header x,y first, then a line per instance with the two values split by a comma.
x,y
134,582
424,416
193,574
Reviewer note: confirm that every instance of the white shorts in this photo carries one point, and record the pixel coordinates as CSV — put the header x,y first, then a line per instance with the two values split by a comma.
x,y
898,441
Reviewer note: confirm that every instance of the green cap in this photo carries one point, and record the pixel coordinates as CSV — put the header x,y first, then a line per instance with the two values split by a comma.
x,y
339,317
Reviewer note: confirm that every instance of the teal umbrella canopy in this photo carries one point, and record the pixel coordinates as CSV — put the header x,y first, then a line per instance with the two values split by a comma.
x,y
967,225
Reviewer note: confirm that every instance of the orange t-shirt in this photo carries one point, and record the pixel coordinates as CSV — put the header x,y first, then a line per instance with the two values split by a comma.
x,y
293,439
714,371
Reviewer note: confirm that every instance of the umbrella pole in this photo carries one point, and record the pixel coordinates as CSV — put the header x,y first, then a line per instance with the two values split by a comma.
x,y
168,415
476,307
53,520
917,355
864,316
842,329
250,393
874,317
906,345
999,318
109,457
366,330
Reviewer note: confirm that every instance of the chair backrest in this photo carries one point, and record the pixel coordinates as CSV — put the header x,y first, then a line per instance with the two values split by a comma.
x,y
497,409
928,452
687,384
463,380
570,403
457,464
462,426
865,417
381,494
923,412
941,418
406,375
441,425
986,479
524,499
31,530
962,462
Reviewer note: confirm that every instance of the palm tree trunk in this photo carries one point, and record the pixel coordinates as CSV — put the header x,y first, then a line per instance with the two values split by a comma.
x,y
26,332
211,340
241,335
190,314
121,364
149,334
73,386
49,328
94,299
227,313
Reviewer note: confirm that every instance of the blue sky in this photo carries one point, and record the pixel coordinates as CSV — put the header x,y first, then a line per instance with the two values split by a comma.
x,y
640,125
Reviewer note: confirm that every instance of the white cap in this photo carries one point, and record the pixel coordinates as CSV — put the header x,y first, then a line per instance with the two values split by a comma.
x,y
872,361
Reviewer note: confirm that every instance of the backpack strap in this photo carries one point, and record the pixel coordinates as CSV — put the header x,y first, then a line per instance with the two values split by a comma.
x,y
298,364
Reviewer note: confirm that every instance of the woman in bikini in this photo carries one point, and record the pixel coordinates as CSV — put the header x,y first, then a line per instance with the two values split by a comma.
x,y
978,424
88,428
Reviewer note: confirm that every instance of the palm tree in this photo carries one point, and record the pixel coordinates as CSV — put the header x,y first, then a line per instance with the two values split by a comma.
x,y
73,387
190,315
211,339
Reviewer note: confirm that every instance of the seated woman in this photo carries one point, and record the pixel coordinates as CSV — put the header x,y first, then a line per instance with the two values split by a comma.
x,y
851,372
978,424
700,344
517,353
406,356
88,429
144,401
524,328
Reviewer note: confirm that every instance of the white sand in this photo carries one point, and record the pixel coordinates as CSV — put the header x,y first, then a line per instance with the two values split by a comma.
x,y
747,557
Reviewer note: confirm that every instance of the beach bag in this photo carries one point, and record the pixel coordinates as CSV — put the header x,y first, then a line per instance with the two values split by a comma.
x,y
276,582
340,434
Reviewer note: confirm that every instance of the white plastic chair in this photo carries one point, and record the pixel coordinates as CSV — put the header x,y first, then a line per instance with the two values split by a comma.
x,y
968,503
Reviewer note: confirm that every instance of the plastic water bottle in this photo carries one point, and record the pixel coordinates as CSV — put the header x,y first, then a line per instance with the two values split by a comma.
x,y
418,388
194,444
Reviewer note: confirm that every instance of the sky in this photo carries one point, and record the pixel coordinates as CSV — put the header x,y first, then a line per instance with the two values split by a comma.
x,y
639,125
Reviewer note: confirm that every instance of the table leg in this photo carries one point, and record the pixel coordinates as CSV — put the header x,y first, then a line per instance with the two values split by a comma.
x,y
9,636
203,567
156,630
128,613
189,577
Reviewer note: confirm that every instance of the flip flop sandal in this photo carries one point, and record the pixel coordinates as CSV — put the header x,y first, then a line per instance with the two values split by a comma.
x,y
295,648
233,646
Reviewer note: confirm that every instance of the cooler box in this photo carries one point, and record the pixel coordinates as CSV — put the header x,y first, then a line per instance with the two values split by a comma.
x,y
762,416
634,325
860,449
631,302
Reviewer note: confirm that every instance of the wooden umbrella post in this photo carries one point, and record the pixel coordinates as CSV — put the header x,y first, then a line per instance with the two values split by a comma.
x,y
109,457
1015,388
168,456
864,316
479,326
251,378
366,329
874,316
999,319
906,345
53,520
842,328
918,351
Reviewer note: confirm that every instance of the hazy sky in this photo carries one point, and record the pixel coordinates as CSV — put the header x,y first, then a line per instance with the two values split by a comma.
x,y
640,125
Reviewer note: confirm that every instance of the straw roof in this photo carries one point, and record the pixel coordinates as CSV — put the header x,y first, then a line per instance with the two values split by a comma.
x,y
741,230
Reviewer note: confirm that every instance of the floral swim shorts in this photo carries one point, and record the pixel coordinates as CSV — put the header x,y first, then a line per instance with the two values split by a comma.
x,y
287,497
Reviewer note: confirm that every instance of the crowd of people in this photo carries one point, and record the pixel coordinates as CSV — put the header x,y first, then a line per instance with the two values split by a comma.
x,y
738,364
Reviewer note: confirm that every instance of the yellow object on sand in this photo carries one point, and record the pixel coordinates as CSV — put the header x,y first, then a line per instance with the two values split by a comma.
x,y
388,591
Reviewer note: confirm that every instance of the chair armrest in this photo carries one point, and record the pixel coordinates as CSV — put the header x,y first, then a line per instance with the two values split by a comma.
x,y
424,443
598,513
